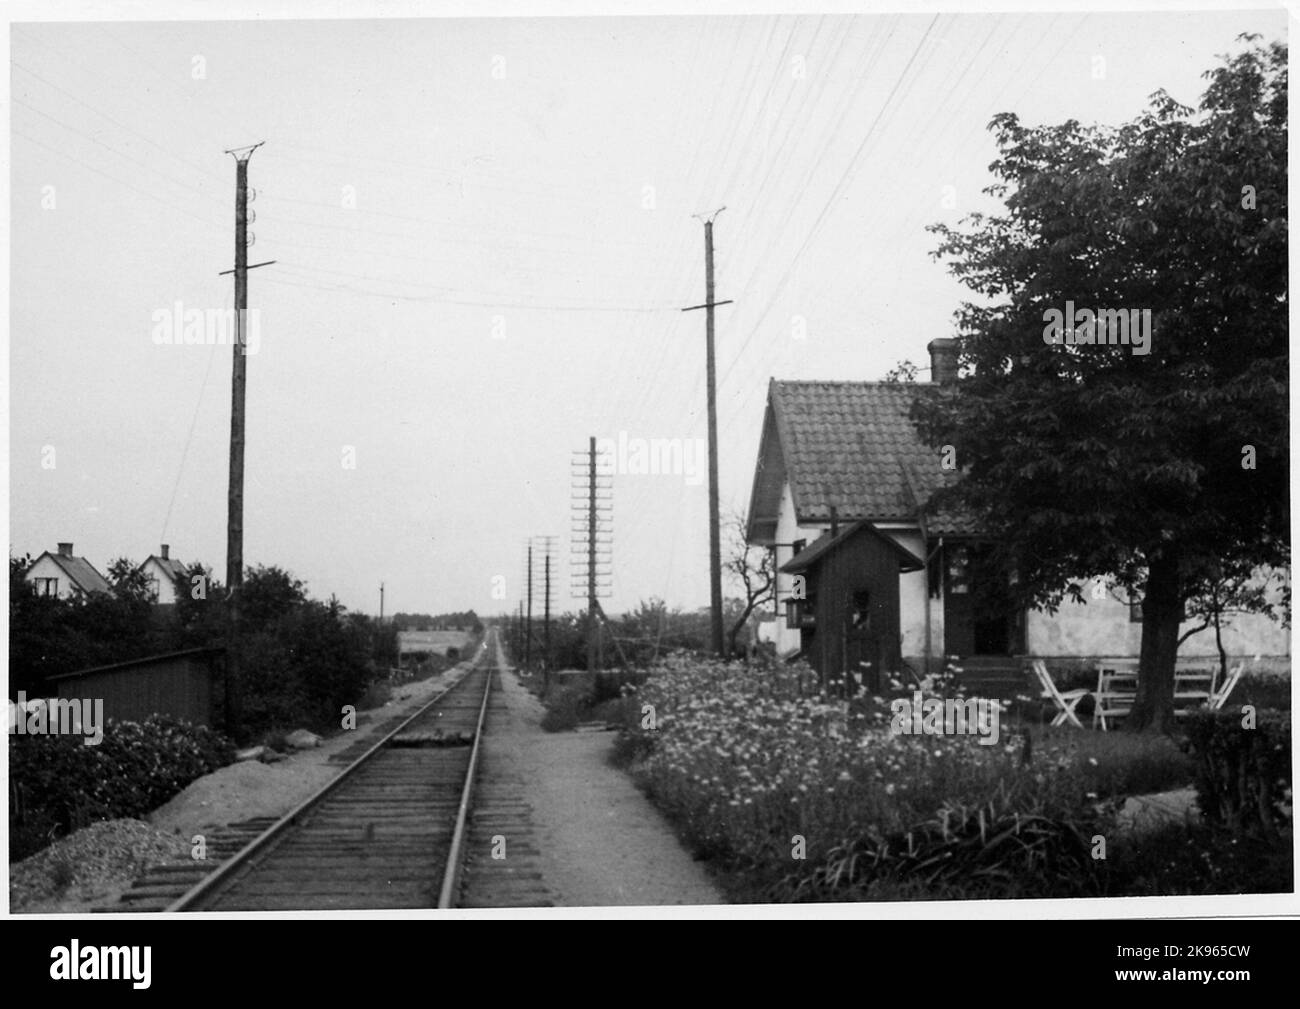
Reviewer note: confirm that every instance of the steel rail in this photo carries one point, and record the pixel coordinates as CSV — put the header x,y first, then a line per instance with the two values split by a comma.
x,y
451,872
239,860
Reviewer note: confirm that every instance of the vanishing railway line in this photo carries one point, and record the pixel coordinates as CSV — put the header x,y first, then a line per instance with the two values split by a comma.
x,y
394,829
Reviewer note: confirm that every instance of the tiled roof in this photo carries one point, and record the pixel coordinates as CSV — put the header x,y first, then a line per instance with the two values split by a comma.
x,y
81,572
853,445
169,564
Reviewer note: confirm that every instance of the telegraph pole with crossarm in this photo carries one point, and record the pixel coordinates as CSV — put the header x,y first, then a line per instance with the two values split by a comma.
x,y
235,497
715,535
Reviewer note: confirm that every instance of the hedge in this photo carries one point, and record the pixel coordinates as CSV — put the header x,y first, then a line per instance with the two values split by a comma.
x,y
58,784
1243,772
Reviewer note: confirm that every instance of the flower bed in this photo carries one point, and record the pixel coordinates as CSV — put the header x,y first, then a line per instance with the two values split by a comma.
x,y
810,798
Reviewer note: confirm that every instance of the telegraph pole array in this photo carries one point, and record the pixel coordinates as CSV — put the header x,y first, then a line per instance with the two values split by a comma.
x,y
538,551
591,538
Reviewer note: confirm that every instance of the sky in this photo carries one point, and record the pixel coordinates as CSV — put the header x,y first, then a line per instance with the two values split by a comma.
x,y
484,234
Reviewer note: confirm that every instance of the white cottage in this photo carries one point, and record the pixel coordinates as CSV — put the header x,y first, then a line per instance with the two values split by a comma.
x,y
837,453
166,576
64,575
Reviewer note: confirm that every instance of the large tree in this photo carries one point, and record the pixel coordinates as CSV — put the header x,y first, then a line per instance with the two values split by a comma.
x,y
1094,460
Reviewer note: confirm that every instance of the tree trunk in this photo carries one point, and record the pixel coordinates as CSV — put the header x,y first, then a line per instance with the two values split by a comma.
x,y
1218,643
1162,610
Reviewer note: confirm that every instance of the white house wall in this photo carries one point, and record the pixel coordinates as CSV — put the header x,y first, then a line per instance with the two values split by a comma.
x,y
47,568
787,531
913,598
166,588
1102,628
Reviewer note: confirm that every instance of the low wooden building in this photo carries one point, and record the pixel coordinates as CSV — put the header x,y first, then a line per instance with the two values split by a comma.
x,y
849,616
179,684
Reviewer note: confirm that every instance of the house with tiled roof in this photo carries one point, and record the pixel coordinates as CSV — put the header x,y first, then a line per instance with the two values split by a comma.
x,y
868,579
64,575
165,575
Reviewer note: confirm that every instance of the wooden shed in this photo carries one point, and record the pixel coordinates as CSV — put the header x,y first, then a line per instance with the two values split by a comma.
x,y
849,617
179,684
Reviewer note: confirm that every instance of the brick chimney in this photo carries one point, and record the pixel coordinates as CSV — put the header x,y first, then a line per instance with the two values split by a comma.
x,y
943,360
165,548
65,549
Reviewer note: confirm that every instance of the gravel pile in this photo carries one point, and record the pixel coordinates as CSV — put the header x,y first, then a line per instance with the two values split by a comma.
x,y
90,867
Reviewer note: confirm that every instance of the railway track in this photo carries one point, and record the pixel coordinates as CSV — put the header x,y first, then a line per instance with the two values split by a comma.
x,y
393,830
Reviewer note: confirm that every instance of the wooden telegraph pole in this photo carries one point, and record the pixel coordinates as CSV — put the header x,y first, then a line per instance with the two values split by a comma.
x,y
715,535
546,624
235,497
593,650
528,623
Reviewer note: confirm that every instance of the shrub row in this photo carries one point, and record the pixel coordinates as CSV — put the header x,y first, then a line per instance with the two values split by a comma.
x,y
58,784
1243,770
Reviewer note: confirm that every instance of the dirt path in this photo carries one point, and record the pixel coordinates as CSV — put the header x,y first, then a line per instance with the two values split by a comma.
x,y
599,841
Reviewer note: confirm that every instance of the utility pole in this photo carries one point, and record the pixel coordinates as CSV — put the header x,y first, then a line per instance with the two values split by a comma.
x,y
715,535
528,623
235,496
593,654
381,602
546,626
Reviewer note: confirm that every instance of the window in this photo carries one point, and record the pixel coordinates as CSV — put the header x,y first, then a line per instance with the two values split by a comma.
x,y
800,614
958,564
152,582
797,546
46,586
1134,609
862,610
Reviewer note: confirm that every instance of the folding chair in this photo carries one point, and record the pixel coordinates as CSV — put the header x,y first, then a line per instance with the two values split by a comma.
x,y
1217,699
1116,689
1065,702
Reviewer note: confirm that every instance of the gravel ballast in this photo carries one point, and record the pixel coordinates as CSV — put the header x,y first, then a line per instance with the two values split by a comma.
x,y
90,867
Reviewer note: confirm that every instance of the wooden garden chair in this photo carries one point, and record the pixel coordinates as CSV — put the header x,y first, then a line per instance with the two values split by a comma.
x,y
1065,702
1116,689
1193,686
1217,698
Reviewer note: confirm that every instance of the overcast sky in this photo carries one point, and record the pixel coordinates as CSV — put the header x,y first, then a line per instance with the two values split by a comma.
x,y
483,233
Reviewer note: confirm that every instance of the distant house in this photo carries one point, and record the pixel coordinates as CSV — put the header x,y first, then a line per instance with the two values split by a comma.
x,y
166,576
64,575
842,474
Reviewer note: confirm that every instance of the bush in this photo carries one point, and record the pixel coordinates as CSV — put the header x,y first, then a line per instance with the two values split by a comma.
x,y
1201,858
60,784
991,852
609,685
1243,775
566,706
376,696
